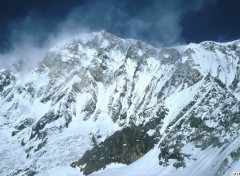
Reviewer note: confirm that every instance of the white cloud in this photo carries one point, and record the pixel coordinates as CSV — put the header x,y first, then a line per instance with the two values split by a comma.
x,y
158,22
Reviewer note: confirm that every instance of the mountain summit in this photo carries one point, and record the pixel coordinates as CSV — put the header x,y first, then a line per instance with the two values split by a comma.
x,y
110,106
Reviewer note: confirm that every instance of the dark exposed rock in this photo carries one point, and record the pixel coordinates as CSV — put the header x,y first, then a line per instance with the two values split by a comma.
x,y
23,124
169,56
89,108
125,146
27,172
6,78
180,76
195,129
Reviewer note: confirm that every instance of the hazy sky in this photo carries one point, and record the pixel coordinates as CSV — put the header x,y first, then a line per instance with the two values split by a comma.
x,y
27,25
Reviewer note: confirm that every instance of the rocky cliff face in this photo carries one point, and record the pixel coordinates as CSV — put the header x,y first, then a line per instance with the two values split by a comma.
x,y
125,146
98,99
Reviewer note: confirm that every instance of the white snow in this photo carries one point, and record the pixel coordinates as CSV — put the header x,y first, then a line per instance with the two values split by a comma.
x,y
66,145
177,101
60,171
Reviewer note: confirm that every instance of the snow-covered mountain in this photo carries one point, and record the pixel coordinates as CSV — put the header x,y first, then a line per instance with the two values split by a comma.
x,y
110,106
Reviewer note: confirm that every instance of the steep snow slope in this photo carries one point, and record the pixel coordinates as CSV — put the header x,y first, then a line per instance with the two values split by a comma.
x,y
97,92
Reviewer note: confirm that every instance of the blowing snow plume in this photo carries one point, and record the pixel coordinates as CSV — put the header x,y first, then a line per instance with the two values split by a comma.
x,y
30,35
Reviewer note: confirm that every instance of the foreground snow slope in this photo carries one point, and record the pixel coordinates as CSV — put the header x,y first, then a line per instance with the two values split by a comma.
x,y
182,105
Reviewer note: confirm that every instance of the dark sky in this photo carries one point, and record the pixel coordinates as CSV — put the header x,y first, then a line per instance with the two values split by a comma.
x,y
158,22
